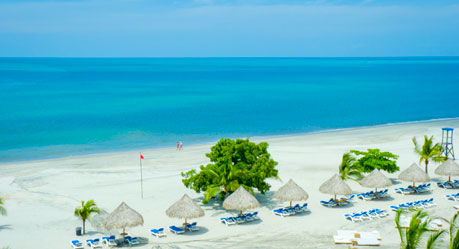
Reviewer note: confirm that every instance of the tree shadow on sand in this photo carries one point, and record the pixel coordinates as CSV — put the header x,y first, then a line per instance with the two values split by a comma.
x,y
5,227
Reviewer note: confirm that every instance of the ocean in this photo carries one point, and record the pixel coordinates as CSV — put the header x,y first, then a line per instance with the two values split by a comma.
x,y
54,107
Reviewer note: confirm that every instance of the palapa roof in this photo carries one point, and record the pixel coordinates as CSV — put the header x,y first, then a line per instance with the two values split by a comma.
x,y
291,192
376,179
123,216
240,200
414,174
335,186
448,168
185,208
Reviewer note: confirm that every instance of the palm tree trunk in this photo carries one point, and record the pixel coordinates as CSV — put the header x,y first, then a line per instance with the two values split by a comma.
x,y
427,163
84,230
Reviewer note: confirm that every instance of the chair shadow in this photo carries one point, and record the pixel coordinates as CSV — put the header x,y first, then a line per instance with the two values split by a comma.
x,y
202,230
6,227
91,233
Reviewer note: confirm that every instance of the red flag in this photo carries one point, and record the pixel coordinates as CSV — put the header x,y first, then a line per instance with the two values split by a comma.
x,y
141,156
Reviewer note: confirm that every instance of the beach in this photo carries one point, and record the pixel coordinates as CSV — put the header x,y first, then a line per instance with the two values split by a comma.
x,y
40,196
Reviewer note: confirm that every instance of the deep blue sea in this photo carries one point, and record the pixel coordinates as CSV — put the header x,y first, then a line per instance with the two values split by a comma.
x,y
52,107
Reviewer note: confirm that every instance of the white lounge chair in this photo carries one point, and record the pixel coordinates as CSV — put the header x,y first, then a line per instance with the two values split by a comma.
x,y
76,244
158,232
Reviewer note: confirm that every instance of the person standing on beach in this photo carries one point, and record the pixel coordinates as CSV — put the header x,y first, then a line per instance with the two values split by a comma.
x,y
181,144
178,144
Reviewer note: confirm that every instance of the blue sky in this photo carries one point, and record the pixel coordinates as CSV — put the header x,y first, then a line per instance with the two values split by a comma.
x,y
207,28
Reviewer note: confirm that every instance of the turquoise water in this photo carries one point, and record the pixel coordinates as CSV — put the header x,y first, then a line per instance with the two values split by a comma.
x,y
53,107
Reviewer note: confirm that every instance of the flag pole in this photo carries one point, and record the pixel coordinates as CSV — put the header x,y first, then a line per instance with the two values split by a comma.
x,y
141,176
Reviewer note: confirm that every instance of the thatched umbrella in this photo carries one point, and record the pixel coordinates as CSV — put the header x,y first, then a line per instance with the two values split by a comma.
x,y
291,192
376,180
123,216
185,208
335,186
448,168
240,200
414,174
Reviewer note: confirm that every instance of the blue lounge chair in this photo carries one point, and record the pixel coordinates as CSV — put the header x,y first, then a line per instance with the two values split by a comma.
x,y
131,241
353,217
109,241
176,230
158,232
192,227
280,212
228,221
93,243
76,244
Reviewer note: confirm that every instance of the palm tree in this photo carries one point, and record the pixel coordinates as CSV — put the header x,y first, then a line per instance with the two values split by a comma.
x,y
453,233
411,236
428,151
349,168
2,209
85,211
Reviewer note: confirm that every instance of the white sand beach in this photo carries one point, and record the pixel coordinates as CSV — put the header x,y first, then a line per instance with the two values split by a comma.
x,y
40,196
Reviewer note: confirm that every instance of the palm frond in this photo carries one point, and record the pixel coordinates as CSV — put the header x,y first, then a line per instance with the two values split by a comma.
x,y
433,238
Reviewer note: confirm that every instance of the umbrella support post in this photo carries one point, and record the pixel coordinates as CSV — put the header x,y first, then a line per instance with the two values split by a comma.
x,y
334,198
376,192
290,203
449,178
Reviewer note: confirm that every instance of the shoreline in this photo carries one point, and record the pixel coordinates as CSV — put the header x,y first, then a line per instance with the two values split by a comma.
x,y
54,187
211,143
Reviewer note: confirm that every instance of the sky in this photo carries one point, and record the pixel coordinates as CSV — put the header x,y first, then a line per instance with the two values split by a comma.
x,y
228,28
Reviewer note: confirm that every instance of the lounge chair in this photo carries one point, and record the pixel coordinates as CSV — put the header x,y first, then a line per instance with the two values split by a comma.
x,y
453,197
132,241
404,191
445,185
353,217
192,227
76,244
280,212
240,219
158,232
93,243
228,221
109,241
176,230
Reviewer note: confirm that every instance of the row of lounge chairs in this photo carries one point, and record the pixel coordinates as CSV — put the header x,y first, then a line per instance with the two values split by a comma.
x,y
176,230
240,219
372,195
337,203
410,190
179,230
287,211
108,241
366,215
453,197
415,205
452,184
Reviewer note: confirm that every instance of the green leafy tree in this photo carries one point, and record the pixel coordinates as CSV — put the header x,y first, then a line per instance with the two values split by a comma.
x,y
428,152
85,211
233,163
375,159
348,169
454,233
2,209
411,236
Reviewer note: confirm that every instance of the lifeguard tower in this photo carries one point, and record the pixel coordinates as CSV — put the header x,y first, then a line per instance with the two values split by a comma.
x,y
447,143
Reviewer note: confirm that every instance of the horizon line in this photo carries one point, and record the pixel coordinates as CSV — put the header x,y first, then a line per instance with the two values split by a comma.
x,y
216,57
